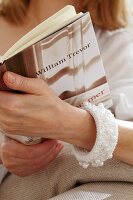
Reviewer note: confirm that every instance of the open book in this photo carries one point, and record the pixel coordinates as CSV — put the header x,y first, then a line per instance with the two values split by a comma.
x,y
64,52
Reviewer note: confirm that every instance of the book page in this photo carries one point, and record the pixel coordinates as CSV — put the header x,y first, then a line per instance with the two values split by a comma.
x,y
48,31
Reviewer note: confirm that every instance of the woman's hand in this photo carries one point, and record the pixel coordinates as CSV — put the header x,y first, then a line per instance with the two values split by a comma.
x,y
25,160
35,112
39,112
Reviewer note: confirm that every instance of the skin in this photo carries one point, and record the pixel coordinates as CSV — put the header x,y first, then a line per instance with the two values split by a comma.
x,y
21,114
24,160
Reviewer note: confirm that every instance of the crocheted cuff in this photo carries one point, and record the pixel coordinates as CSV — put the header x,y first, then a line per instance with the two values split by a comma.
x,y
106,137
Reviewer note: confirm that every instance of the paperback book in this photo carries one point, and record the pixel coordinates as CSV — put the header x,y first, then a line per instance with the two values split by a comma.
x,y
63,51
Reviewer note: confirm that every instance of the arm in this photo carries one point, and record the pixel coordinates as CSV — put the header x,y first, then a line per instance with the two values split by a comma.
x,y
82,132
39,112
53,118
119,72
124,149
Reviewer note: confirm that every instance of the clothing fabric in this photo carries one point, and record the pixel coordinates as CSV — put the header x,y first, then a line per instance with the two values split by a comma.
x,y
64,174
117,53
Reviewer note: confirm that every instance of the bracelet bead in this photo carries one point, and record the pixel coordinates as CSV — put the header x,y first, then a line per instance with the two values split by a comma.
x,y
106,137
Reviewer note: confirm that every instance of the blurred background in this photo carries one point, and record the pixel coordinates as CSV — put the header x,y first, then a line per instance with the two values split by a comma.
x,y
130,7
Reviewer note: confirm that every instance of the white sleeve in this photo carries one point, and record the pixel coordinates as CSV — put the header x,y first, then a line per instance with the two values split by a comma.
x,y
3,170
117,53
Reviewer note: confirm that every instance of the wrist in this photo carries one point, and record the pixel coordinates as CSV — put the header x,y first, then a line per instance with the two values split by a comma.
x,y
78,127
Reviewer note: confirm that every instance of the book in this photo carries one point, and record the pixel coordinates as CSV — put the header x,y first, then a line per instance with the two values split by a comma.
x,y
63,51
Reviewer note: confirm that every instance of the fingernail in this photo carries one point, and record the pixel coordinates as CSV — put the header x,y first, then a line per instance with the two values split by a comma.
x,y
11,77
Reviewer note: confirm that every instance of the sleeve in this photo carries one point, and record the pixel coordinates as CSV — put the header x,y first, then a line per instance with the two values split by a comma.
x,y
3,170
117,54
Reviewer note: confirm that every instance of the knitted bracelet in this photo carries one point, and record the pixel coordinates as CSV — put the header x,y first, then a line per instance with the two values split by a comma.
x,y
106,137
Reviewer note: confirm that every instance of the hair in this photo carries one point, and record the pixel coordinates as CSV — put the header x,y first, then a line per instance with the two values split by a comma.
x,y
14,11
107,14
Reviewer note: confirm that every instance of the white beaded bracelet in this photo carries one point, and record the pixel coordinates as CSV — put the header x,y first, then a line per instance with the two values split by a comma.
x,y
106,137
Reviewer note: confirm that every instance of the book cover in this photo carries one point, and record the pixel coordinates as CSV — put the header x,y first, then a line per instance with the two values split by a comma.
x,y
69,61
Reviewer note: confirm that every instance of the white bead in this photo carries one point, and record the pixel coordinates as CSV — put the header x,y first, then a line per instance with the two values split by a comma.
x,y
85,165
106,137
101,164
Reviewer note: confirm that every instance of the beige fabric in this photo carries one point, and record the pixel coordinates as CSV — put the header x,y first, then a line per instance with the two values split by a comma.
x,y
99,191
65,174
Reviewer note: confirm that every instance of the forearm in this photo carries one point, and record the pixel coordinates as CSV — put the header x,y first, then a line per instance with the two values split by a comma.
x,y
82,132
124,148
78,127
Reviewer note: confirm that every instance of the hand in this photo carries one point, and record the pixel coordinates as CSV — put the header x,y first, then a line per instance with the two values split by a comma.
x,y
39,112
36,112
25,160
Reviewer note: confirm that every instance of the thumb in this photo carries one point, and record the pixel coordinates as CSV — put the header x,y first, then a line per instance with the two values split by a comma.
x,y
24,84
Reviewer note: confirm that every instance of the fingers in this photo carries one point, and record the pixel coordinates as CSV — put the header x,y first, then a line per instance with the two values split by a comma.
x,y
54,153
42,162
24,84
18,150
25,160
26,167
43,148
